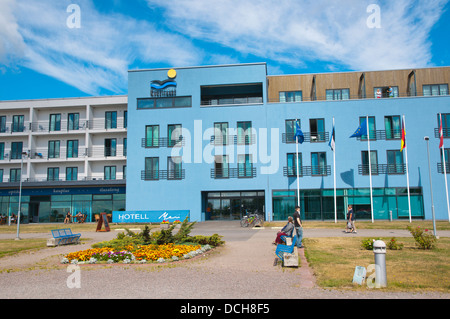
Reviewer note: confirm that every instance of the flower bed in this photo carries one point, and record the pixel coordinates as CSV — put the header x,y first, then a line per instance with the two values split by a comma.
x,y
136,254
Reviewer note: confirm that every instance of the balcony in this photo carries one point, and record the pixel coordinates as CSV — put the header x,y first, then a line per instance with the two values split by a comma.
x,y
234,172
62,126
231,94
307,171
377,169
161,142
155,175
314,137
440,168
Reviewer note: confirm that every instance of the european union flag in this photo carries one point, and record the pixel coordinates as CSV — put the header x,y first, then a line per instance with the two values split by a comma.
x,y
361,130
298,134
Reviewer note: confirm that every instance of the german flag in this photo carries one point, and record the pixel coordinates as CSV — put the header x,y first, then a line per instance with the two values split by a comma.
x,y
403,137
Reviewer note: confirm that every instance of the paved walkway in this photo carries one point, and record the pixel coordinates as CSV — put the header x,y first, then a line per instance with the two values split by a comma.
x,y
242,269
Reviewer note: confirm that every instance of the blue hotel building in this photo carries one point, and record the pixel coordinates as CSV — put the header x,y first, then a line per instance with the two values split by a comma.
x,y
217,141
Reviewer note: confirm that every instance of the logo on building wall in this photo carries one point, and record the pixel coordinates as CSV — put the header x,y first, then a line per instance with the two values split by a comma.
x,y
165,88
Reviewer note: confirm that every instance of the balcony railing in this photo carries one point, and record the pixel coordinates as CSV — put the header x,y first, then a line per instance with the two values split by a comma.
x,y
314,137
307,171
445,132
440,168
61,126
233,139
233,172
379,169
230,100
161,142
154,175
382,135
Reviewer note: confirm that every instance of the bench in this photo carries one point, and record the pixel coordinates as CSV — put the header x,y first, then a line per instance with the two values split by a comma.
x,y
287,249
63,237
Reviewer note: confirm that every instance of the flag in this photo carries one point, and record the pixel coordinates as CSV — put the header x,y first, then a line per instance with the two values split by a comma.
x,y
332,141
299,137
361,130
403,137
441,133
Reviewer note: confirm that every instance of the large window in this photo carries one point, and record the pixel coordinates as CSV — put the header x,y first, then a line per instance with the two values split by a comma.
x,y
371,128
317,128
18,124
152,136
73,121
2,150
292,165
174,167
385,91
151,168
71,173
14,174
246,93
16,150
290,130
447,161
290,96
174,134
110,146
72,148
319,163
2,124
395,162
445,124
53,174
55,122
221,133
110,119
53,149
245,165
392,126
221,166
164,102
244,132
373,162
338,94
435,89
110,173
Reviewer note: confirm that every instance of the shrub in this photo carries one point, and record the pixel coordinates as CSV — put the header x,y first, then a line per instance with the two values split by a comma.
x,y
394,245
213,240
424,239
368,243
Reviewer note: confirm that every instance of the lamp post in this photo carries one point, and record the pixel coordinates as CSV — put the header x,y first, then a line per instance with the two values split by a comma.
x,y
20,195
426,138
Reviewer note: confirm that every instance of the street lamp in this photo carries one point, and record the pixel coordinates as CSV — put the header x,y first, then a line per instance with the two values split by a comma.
x,y
426,138
20,195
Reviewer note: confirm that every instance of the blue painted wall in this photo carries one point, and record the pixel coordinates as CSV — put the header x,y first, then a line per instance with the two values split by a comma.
x,y
185,194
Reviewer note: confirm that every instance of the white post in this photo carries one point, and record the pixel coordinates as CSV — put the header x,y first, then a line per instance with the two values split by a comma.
x,y
444,165
296,161
334,177
370,165
407,170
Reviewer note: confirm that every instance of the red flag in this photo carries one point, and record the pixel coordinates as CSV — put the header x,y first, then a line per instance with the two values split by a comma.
x,y
441,133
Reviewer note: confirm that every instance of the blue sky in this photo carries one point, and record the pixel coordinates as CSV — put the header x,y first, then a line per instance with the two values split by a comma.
x,y
41,56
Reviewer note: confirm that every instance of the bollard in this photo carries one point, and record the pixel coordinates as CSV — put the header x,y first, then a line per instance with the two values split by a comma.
x,y
379,250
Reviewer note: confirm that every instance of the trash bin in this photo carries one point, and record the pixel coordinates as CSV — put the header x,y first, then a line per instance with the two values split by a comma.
x,y
379,251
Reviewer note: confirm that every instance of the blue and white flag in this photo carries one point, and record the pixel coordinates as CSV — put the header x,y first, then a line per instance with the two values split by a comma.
x,y
299,137
332,140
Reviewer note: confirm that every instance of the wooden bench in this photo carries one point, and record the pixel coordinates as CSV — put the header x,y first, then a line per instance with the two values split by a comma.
x,y
63,237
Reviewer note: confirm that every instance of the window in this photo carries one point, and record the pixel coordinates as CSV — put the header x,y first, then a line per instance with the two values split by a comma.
x,y
365,162
109,173
395,162
125,119
435,89
1,175
174,167
338,94
317,127
124,172
125,146
371,129
151,168
110,119
2,124
244,132
385,91
221,166
14,175
292,165
72,148
319,163
53,149
245,93
221,133
290,96
2,150
110,146
290,130
16,150
152,136
18,123
53,174
71,173
55,122
445,124
245,165
73,121
392,126
164,102
447,161
174,134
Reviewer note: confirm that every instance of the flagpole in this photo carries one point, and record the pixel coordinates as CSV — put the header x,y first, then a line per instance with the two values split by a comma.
x,y
370,165
407,170
444,163
334,177
296,161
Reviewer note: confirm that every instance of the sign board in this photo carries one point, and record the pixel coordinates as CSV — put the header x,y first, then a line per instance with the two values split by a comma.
x,y
360,275
103,220
149,216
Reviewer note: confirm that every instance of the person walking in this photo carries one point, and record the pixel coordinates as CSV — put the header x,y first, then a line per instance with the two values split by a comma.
x,y
351,217
298,227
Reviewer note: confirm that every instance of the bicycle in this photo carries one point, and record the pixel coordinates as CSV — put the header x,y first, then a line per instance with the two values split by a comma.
x,y
252,219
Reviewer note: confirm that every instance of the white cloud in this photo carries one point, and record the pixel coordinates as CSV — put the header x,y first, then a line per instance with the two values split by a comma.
x,y
96,56
11,42
296,32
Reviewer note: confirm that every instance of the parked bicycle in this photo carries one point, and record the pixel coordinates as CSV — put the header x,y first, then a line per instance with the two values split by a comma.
x,y
251,219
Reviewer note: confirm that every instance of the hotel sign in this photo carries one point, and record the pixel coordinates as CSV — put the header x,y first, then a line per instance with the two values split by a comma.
x,y
149,216
166,88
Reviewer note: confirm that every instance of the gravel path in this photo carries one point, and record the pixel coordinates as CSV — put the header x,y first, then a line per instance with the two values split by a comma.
x,y
242,269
